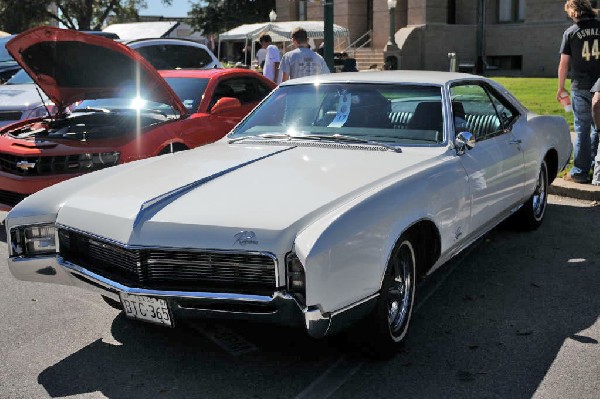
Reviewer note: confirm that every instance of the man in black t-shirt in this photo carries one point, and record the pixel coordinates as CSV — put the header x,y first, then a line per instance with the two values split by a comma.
x,y
581,48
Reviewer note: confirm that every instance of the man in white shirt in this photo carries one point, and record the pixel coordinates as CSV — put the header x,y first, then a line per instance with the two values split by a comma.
x,y
302,61
272,58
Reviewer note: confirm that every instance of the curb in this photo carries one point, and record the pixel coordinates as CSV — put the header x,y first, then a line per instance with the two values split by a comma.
x,y
569,189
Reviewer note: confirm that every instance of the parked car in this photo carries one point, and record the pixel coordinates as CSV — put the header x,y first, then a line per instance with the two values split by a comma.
x,y
8,66
124,109
21,99
324,207
171,53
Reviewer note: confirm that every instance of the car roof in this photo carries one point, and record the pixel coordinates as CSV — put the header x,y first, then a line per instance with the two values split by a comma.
x,y
164,40
205,73
402,76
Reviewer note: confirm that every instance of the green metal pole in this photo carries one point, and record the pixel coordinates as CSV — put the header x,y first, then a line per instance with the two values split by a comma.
x,y
328,33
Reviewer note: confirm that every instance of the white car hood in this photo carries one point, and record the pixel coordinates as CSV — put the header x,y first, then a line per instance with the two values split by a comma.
x,y
272,191
20,97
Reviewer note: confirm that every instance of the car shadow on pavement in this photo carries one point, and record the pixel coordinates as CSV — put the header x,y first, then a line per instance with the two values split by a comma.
x,y
493,328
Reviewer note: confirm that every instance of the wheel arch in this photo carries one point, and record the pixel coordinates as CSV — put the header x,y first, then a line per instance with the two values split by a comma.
x,y
173,147
551,159
425,236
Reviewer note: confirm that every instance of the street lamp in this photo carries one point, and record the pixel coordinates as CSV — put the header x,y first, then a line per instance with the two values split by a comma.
x,y
392,7
272,16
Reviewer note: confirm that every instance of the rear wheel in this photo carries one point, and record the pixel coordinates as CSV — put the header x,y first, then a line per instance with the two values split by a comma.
x,y
531,214
390,320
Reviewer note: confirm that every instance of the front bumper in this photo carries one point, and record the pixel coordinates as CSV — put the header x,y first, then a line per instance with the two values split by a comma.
x,y
280,308
15,187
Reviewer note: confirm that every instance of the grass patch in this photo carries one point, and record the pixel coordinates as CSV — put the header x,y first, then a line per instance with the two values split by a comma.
x,y
538,95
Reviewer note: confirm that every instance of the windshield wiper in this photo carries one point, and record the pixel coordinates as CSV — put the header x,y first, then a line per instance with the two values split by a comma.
x,y
320,137
280,136
350,139
91,109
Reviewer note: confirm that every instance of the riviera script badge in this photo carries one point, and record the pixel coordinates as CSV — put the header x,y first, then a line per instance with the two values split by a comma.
x,y
245,237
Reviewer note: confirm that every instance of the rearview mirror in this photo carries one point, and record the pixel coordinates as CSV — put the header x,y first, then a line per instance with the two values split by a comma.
x,y
464,141
225,104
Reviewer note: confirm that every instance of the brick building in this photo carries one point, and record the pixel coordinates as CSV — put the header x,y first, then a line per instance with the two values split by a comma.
x,y
520,37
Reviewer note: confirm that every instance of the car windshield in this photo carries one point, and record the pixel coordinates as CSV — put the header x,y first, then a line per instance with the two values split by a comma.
x,y
189,91
19,78
404,114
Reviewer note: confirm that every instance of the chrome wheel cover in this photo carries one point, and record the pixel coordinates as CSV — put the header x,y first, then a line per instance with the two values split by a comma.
x,y
400,291
539,195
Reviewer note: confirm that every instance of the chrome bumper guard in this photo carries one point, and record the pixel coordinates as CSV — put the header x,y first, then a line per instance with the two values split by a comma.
x,y
280,308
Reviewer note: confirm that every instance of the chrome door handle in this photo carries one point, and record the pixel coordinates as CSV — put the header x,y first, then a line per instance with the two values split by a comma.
x,y
514,142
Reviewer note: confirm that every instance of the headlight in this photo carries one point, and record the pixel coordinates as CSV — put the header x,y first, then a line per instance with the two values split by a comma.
x,y
96,161
33,240
296,279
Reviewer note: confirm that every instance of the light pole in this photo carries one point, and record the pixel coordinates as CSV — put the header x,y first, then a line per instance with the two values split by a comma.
x,y
391,52
391,44
328,33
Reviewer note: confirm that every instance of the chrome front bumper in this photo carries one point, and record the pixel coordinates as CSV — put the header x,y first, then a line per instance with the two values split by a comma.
x,y
280,308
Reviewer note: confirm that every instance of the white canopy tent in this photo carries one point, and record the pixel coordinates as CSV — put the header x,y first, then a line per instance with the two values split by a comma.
x,y
280,32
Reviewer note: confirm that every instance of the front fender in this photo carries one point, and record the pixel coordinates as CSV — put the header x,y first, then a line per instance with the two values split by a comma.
x,y
345,253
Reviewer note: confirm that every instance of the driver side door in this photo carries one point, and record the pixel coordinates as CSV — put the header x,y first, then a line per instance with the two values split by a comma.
x,y
495,166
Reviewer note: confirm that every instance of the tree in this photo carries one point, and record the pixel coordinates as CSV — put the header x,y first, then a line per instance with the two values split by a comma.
x,y
91,14
15,17
215,16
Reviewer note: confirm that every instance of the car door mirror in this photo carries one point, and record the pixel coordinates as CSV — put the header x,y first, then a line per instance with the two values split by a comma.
x,y
464,141
224,105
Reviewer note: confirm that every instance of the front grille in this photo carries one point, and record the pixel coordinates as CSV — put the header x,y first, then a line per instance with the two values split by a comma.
x,y
173,270
10,115
42,166
11,198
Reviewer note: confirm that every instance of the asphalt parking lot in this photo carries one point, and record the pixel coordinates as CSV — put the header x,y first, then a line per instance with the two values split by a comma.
x,y
515,317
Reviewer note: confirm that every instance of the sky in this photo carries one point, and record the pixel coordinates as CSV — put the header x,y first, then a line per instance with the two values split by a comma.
x,y
179,8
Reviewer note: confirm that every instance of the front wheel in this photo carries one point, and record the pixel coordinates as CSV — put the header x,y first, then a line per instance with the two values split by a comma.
x,y
531,214
390,320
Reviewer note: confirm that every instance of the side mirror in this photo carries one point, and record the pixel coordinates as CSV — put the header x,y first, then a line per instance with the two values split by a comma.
x,y
225,104
464,141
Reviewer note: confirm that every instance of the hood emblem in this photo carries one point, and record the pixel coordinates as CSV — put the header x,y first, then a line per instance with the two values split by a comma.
x,y
245,237
25,165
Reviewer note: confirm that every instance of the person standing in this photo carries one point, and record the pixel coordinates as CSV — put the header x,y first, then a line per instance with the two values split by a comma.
x,y
301,61
596,116
272,58
580,48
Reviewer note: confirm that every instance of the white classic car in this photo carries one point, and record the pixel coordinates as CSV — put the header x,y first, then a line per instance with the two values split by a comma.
x,y
323,207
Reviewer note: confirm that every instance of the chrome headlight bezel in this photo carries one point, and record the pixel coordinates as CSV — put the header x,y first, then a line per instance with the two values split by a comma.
x,y
295,276
33,240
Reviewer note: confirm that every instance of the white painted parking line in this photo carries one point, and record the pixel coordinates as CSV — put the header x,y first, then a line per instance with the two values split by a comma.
x,y
332,379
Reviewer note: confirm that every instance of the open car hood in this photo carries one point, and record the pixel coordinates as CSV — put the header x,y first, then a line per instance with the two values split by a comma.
x,y
71,66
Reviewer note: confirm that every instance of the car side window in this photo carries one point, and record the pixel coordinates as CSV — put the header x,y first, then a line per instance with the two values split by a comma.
x,y
246,89
506,113
480,113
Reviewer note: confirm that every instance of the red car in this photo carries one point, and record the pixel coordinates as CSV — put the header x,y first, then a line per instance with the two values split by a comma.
x,y
125,110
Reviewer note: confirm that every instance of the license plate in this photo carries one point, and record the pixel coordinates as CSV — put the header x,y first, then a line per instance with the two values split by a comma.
x,y
147,308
